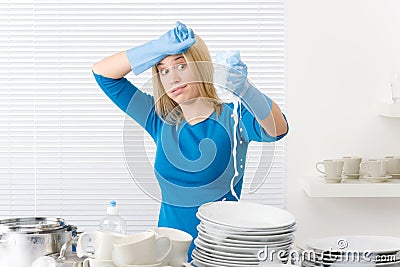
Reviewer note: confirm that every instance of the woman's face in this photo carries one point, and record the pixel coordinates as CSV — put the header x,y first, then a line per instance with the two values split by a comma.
x,y
177,79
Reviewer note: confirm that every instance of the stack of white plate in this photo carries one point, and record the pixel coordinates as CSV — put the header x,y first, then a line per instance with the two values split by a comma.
x,y
242,234
382,251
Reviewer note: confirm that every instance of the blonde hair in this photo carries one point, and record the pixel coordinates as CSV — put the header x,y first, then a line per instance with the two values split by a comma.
x,y
203,72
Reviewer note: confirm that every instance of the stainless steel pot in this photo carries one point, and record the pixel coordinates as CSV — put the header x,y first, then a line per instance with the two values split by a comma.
x,y
22,240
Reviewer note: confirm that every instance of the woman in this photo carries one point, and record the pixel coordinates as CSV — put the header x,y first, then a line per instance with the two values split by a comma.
x,y
193,129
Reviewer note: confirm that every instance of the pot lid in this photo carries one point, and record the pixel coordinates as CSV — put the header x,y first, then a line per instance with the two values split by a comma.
x,y
31,225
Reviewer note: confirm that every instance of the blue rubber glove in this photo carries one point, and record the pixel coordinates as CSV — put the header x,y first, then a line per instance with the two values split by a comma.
x,y
173,42
256,102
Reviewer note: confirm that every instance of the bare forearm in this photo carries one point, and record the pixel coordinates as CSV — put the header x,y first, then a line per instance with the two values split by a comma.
x,y
115,66
275,124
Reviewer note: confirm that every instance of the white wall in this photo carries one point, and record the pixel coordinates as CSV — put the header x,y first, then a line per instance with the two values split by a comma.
x,y
339,59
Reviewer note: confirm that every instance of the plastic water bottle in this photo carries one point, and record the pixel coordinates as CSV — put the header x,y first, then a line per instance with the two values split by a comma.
x,y
112,222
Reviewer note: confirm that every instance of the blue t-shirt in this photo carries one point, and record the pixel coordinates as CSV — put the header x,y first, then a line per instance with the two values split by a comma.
x,y
193,163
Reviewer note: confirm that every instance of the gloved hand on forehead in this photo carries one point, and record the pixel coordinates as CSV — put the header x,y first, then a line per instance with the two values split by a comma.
x,y
173,42
236,82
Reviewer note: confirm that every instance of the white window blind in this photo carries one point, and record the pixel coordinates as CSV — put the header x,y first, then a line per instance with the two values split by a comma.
x,y
61,138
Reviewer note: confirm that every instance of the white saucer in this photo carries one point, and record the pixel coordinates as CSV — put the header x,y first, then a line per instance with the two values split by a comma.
x,y
332,180
352,175
378,179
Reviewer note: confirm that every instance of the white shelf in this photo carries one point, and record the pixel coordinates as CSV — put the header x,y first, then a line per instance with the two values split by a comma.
x,y
389,110
317,187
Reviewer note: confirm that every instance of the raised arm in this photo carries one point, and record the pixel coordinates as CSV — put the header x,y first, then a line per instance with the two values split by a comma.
x,y
115,66
143,57
109,74
110,71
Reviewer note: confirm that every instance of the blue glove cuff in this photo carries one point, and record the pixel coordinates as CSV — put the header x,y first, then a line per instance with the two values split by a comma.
x,y
143,57
256,102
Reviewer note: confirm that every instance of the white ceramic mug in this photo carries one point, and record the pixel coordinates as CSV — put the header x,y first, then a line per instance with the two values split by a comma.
x,y
180,245
376,167
98,263
393,166
351,165
140,249
333,167
103,244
